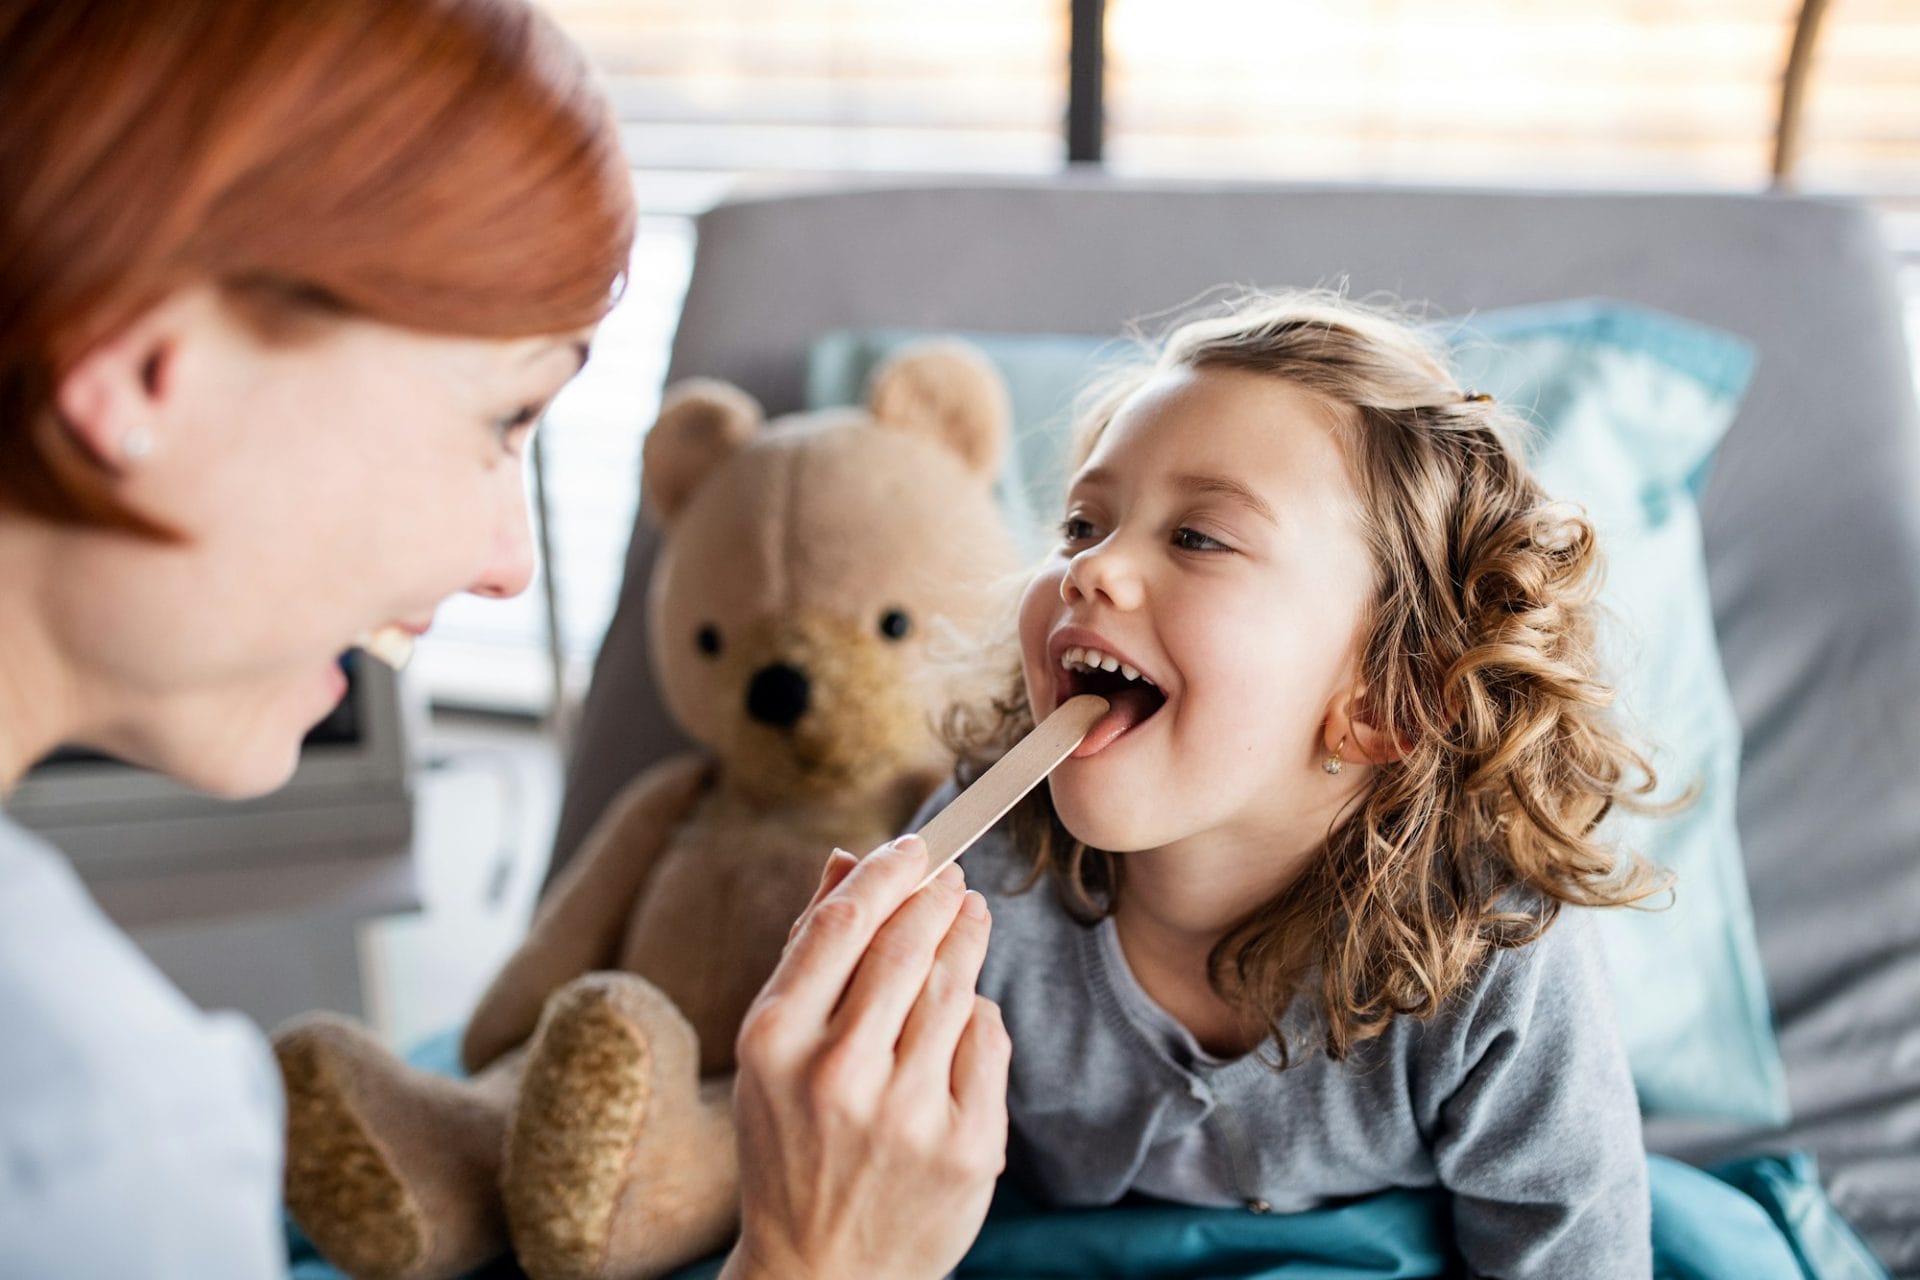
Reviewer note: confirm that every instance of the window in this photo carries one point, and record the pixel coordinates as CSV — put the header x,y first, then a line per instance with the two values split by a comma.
x,y
1580,92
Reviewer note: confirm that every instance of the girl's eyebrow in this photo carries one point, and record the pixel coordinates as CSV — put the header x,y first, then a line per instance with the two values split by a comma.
x,y
1227,487
1091,478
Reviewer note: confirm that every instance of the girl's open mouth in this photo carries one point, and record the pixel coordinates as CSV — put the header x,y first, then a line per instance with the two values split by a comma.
x,y
1133,696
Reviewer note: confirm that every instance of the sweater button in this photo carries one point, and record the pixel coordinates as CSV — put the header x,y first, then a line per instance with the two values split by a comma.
x,y
1257,1205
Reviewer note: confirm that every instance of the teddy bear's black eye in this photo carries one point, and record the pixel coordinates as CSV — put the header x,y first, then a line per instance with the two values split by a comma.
x,y
894,624
708,640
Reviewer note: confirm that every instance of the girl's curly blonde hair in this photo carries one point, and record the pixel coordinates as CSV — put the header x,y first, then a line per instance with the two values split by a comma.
x,y
1478,654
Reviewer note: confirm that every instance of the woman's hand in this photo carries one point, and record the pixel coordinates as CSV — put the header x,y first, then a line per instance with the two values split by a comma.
x,y
871,1098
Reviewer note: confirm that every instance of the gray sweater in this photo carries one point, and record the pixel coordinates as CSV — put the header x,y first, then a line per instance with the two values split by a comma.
x,y
1515,1098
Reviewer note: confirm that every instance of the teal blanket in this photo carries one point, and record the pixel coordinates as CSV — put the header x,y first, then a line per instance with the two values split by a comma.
x,y
1759,1219
1763,1218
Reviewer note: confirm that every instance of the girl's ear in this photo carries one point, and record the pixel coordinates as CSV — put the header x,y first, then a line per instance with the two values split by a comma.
x,y
1350,733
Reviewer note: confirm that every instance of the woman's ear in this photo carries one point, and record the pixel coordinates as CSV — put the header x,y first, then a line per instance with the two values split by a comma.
x,y
1351,734
110,401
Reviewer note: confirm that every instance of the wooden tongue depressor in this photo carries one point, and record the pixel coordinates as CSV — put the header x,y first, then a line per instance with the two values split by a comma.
x,y
974,811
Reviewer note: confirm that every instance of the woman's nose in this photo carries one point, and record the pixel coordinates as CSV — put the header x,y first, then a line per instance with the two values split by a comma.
x,y
1103,573
509,567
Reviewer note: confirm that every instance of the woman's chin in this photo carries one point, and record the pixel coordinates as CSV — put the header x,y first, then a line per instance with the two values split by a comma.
x,y
250,750
241,775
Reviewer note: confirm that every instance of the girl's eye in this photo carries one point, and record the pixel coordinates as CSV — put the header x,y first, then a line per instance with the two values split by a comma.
x,y
1076,529
1193,540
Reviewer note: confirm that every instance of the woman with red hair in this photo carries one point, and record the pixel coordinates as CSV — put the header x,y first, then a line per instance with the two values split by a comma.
x,y
284,287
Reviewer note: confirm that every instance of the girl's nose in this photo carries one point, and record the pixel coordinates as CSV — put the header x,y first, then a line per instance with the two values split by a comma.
x,y
1105,574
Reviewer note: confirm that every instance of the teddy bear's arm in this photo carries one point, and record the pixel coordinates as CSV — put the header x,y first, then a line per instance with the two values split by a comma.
x,y
578,926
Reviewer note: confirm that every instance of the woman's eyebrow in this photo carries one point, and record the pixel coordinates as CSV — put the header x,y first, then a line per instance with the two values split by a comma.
x,y
579,350
1227,487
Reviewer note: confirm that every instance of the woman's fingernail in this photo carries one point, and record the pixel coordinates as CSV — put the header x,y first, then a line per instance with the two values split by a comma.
x,y
951,876
974,905
910,843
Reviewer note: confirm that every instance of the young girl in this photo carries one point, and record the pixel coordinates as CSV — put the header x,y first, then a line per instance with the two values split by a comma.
x,y
1301,938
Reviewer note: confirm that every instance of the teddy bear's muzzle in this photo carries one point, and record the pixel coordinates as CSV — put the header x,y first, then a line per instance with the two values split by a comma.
x,y
778,695
822,701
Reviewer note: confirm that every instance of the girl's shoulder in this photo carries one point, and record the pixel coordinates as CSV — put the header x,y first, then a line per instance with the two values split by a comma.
x,y
1555,986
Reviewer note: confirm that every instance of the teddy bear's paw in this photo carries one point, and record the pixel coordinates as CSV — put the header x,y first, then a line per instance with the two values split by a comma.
x,y
341,1186
583,1100
621,1164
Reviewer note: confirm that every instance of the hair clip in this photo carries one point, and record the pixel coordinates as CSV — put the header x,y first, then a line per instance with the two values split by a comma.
x,y
1477,397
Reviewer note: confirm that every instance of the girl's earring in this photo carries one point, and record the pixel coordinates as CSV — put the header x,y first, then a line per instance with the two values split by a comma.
x,y
138,445
1333,763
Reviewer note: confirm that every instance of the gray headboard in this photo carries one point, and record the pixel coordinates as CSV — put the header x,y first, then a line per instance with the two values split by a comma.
x,y
1811,517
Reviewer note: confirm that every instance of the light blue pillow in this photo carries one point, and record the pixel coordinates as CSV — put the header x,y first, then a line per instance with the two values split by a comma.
x,y
1629,405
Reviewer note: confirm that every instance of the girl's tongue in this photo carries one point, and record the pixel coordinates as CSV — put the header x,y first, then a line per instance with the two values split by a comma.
x,y
1131,704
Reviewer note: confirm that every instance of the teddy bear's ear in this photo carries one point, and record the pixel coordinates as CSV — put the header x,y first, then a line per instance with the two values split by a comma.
x,y
951,392
702,423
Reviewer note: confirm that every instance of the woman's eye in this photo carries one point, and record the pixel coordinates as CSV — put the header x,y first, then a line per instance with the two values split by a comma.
x,y
1193,540
525,416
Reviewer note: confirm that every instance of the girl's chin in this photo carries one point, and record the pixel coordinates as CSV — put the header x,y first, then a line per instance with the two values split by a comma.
x,y
1091,813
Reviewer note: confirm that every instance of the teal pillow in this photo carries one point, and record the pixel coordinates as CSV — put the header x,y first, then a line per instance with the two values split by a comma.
x,y
1628,406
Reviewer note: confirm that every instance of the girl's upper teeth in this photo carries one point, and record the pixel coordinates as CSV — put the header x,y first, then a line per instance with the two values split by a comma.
x,y
1095,660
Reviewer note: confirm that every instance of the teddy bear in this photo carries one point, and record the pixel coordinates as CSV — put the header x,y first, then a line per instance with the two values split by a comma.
x,y
817,583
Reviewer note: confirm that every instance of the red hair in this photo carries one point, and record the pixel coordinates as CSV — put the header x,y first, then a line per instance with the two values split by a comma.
x,y
441,165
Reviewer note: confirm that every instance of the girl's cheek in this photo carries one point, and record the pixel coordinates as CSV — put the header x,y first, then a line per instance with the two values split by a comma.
x,y
1036,617
1035,608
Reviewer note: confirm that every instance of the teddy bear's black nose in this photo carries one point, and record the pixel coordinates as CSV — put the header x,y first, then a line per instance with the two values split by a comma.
x,y
778,695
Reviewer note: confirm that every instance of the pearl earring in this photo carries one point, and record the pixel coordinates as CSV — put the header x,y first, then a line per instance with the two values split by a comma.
x,y
1333,763
138,445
